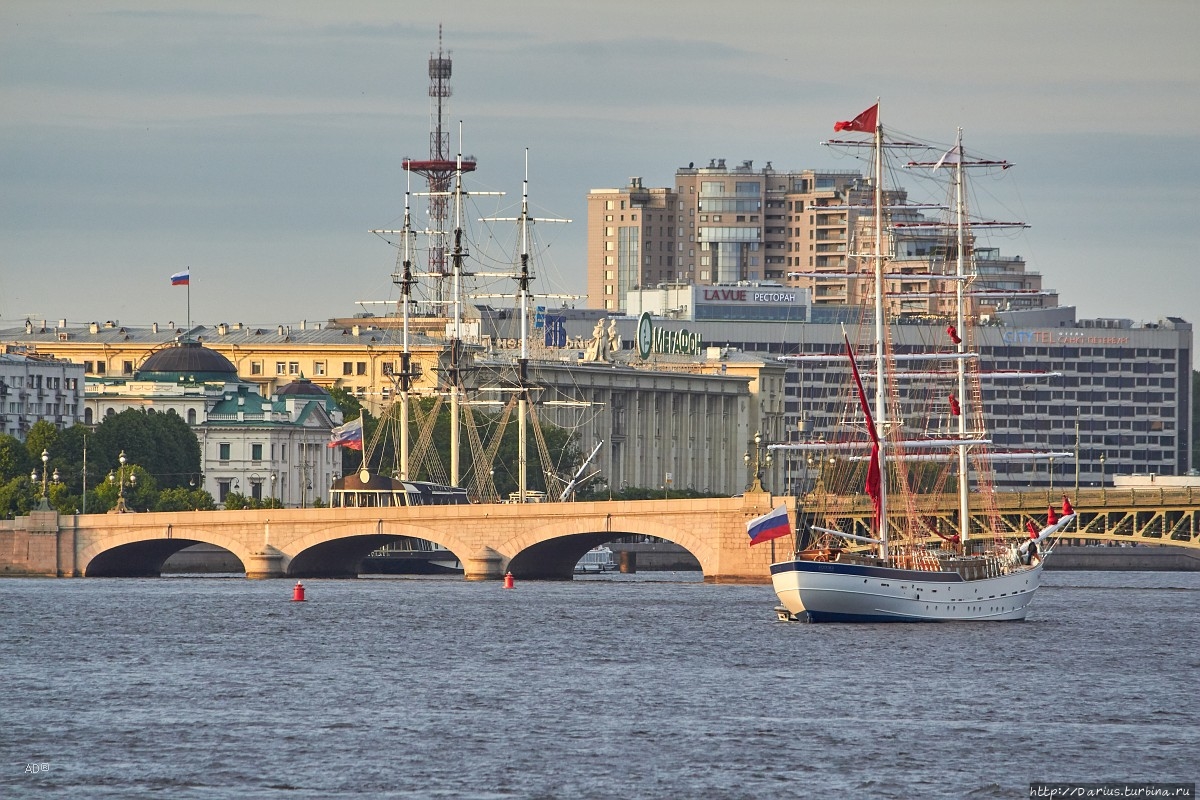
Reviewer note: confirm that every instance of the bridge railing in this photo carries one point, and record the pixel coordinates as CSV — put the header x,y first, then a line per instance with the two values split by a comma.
x,y
1158,515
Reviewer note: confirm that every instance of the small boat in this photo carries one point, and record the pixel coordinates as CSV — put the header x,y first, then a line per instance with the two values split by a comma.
x,y
598,559
924,430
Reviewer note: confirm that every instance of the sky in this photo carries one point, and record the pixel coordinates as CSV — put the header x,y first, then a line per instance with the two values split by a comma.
x,y
258,143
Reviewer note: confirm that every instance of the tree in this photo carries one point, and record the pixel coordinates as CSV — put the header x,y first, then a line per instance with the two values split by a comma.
x,y
179,498
163,444
14,459
42,437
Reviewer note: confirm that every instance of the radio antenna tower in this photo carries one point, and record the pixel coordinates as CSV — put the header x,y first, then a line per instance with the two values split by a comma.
x,y
438,169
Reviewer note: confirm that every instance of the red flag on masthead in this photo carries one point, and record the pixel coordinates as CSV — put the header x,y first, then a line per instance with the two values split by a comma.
x,y
953,333
1068,509
955,408
1051,517
864,122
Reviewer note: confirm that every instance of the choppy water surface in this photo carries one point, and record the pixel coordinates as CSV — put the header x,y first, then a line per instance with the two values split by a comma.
x,y
647,686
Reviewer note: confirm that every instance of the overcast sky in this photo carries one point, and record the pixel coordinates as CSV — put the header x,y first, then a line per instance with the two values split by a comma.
x,y
257,143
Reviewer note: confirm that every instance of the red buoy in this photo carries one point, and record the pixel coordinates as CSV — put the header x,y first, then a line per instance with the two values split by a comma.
x,y
298,592
508,580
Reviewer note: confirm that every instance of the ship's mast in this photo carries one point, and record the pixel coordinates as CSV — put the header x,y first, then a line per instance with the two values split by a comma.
x,y
406,376
524,278
881,375
960,226
459,253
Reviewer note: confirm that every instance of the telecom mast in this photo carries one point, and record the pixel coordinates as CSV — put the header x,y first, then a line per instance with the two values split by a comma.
x,y
438,169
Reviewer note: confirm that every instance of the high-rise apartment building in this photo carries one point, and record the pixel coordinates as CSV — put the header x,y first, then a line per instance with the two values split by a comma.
x,y
720,225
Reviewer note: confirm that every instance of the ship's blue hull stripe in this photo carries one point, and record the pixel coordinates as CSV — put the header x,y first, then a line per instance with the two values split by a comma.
x,y
866,571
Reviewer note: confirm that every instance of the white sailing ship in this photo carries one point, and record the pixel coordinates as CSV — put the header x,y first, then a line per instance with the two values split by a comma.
x,y
906,569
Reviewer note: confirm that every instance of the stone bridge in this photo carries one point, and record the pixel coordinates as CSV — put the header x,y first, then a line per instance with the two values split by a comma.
x,y
539,541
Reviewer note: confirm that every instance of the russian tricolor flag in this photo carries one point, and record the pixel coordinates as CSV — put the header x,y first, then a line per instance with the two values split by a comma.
x,y
181,278
769,526
348,435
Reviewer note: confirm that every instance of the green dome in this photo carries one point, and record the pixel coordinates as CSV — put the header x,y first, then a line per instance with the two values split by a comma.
x,y
190,361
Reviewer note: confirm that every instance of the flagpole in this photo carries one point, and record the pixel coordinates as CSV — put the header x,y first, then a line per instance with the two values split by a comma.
x,y
189,298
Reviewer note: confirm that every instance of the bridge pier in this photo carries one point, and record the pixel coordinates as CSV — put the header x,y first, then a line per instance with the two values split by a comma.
x,y
485,565
265,563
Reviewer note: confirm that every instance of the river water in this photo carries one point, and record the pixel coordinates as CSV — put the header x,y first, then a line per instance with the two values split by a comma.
x,y
643,686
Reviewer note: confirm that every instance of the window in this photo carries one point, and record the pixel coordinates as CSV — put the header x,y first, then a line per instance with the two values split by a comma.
x,y
256,451
318,368
191,416
223,489
256,368
126,367
293,368
223,451
361,368
280,368
347,367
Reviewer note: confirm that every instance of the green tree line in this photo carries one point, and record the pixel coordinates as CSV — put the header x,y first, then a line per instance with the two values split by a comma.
x,y
161,470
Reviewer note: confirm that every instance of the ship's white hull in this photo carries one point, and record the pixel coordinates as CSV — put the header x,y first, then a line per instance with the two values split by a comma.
x,y
834,592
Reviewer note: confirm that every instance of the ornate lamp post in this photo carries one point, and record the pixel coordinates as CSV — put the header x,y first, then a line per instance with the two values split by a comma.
x,y
121,507
44,503
762,458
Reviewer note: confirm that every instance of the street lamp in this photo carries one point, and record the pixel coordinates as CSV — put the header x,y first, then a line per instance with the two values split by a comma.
x,y
1103,478
759,462
121,507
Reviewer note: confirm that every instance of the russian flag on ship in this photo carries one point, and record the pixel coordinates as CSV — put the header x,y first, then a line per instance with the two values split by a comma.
x,y
182,278
769,526
348,435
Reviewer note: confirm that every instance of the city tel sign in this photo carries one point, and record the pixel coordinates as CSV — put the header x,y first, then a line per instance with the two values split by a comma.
x,y
655,340
1058,337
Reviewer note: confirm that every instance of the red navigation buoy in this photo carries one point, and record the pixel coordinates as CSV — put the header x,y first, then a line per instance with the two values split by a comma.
x,y
508,580
298,593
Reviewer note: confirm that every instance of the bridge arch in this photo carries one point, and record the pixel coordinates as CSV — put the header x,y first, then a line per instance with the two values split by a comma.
x,y
337,550
141,552
550,552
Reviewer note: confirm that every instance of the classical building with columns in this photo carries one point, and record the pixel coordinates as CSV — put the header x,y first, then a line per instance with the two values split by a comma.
x,y
260,447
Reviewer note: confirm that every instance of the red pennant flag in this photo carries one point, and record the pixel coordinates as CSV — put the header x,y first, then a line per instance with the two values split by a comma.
x,y
1032,530
874,474
1051,517
1068,509
955,408
864,122
954,337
